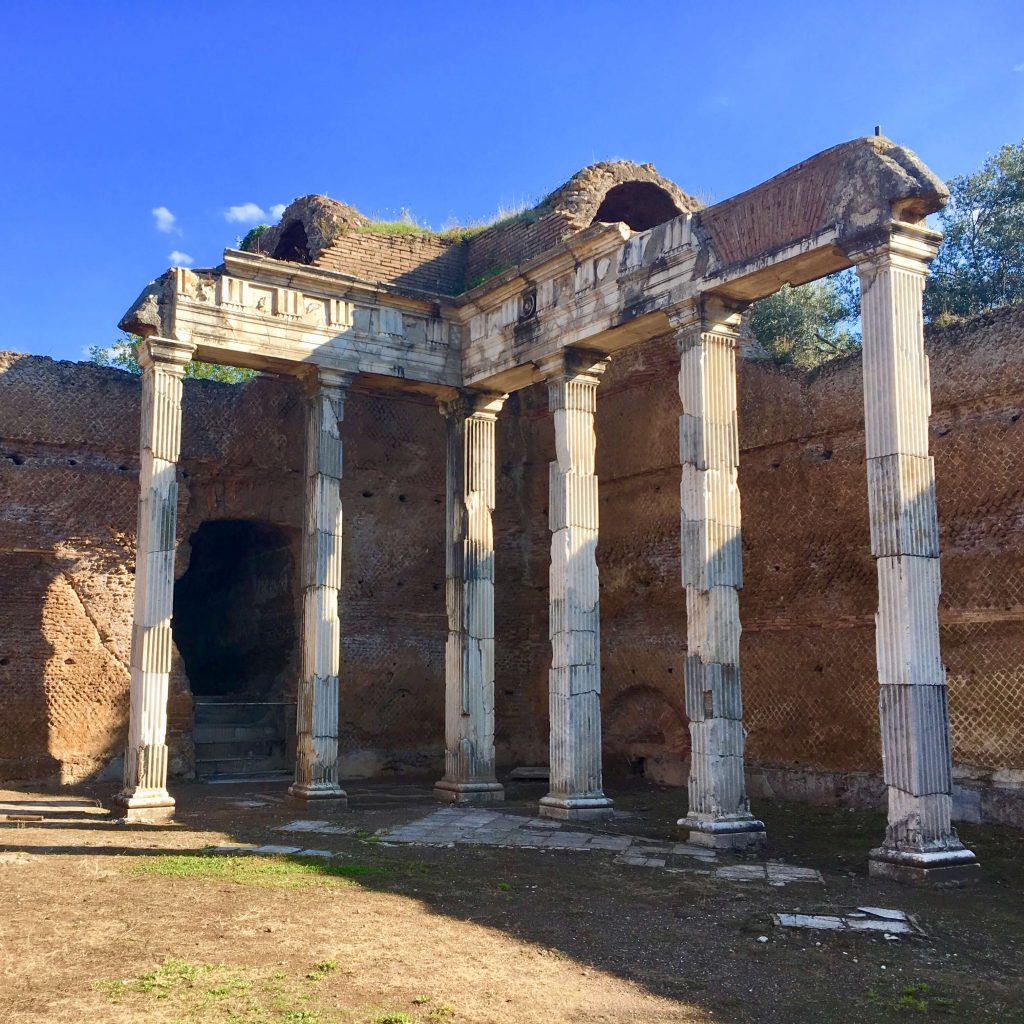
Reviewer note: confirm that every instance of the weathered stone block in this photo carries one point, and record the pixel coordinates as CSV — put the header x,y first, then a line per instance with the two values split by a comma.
x,y
903,513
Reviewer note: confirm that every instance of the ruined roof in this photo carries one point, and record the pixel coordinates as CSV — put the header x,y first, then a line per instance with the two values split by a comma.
x,y
320,231
582,197
307,227
805,223
859,184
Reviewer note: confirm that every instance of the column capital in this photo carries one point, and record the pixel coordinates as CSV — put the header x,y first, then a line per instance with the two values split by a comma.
x,y
319,378
166,353
897,246
479,404
705,315
573,364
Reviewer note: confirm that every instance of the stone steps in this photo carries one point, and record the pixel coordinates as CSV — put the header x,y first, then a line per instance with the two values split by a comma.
x,y
242,739
207,768
226,733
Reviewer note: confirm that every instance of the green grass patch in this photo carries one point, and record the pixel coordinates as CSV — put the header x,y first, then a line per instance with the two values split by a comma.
x,y
321,969
218,994
394,227
273,872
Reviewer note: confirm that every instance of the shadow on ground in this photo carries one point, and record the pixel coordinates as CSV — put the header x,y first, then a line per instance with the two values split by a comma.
x,y
520,934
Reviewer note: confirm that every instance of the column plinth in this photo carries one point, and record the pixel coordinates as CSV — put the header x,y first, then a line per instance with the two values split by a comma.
x,y
920,843
469,594
144,797
712,575
574,681
316,758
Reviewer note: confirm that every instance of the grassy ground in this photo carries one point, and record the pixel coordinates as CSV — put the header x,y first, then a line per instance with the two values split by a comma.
x,y
106,924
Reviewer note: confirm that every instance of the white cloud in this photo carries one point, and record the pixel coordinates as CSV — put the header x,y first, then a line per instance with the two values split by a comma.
x,y
1018,67
277,210
247,213
165,221
180,259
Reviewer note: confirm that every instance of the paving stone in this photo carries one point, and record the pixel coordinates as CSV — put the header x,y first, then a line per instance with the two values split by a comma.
x,y
742,873
788,873
271,850
610,843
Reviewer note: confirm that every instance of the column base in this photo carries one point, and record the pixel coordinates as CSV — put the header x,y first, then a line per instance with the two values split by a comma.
x,y
939,867
734,834
321,792
450,792
146,806
575,808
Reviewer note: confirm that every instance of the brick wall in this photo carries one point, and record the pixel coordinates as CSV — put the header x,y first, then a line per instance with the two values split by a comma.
x,y
808,658
499,248
412,261
68,466
68,491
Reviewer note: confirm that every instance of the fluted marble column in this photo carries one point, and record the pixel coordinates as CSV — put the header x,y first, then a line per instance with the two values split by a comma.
x,y
144,796
316,759
574,682
920,843
469,590
712,573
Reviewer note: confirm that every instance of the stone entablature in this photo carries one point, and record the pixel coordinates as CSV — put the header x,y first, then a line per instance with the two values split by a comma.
x,y
604,288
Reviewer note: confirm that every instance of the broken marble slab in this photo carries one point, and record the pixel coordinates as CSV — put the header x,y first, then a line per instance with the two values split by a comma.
x,y
773,874
321,828
863,919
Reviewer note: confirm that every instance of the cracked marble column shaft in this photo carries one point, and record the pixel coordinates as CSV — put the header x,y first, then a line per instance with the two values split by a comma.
x,y
316,759
920,844
712,575
145,797
574,682
469,592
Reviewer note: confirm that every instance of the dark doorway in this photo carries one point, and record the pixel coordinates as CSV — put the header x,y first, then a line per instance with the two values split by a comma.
x,y
235,624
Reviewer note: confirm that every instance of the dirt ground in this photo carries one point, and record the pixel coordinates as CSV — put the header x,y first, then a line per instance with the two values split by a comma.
x,y
107,923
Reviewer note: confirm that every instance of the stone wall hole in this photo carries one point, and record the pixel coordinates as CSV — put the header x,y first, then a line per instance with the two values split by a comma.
x,y
293,244
640,204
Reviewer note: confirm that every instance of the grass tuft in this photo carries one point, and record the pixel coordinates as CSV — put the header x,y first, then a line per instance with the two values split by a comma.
x,y
216,993
321,969
275,872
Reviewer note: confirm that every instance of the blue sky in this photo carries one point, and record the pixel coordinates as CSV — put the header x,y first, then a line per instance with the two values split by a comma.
x,y
114,110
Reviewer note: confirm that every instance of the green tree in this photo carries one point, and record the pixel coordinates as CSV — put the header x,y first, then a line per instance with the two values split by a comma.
x,y
980,264
122,356
807,325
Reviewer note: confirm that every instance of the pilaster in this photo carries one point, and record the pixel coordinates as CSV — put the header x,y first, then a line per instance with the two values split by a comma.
x,y
469,590
316,761
574,681
712,575
920,843
144,796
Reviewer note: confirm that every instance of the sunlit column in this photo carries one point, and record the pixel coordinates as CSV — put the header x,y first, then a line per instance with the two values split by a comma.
x,y
920,843
574,682
316,761
712,574
144,796
469,589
